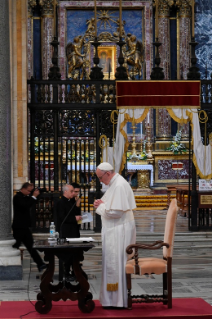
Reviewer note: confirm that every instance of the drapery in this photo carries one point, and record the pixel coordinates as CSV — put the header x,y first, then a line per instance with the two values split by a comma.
x,y
202,155
180,98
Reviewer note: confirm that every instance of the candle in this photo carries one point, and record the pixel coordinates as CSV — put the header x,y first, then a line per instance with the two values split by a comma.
x,y
95,18
148,117
156,19
55,18
120,19
192,15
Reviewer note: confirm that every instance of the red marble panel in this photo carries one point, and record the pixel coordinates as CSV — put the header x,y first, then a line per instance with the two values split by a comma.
x,y
165,170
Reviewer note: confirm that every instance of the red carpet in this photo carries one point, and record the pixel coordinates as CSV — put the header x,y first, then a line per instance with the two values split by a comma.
x,y
182,308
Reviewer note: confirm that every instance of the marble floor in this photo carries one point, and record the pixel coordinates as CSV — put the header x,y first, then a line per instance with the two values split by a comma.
x,y
192,263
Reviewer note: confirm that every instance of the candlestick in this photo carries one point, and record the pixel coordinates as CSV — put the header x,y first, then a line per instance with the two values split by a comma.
x,y
120,18
95,18
55,18
156,19
192,18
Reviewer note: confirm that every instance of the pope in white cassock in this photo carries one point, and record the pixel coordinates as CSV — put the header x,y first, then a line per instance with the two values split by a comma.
x,y
118,231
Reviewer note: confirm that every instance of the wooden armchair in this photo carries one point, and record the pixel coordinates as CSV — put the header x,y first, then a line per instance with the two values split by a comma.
x,y
151,265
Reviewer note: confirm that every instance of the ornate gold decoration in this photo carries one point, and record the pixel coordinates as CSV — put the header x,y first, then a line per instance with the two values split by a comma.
x,y
103,143
143,179
75,57
163,7
31,5
48,7
79,52
148,144
133,56
185,8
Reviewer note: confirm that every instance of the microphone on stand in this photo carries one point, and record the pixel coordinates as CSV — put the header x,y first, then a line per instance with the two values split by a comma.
x,y
67,216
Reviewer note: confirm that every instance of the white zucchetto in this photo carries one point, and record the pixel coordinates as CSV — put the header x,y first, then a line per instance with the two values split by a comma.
x,y
105,166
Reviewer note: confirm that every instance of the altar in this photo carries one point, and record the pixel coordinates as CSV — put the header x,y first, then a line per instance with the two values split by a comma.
x,y
132,168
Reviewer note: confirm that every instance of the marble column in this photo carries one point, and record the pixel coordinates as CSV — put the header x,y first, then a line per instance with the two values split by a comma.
x,y
47,30
184,31
163,126
10,262
31,5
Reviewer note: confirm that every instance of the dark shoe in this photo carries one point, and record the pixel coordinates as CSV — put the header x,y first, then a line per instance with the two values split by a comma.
x,y
42,267
70,278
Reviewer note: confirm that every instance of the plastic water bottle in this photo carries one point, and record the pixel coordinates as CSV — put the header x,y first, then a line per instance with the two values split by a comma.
x,y
52,230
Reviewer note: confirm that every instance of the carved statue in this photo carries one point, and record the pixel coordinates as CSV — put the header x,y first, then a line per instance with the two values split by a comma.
x,y
75,57
91,26
133,55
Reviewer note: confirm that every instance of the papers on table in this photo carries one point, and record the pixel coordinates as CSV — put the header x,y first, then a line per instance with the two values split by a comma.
x,y
80,240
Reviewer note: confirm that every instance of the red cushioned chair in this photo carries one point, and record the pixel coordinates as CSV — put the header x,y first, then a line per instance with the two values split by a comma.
x,y
151,265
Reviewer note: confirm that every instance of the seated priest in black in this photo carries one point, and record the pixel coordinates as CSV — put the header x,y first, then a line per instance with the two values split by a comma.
x,y
68,215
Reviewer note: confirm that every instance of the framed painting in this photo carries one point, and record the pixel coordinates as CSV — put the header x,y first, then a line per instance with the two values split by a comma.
x,y
107,61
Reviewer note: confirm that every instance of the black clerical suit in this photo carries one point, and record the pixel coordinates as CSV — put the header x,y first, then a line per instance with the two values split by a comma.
x,y
21,224
70,227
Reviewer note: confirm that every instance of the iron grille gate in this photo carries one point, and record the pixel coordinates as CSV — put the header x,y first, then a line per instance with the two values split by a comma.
x,y
64,143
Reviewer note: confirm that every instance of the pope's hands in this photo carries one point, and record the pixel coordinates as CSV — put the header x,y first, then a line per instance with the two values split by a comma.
x,y
97,202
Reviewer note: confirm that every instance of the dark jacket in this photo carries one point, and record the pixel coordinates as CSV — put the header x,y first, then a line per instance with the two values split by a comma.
x,y
22,205
70,228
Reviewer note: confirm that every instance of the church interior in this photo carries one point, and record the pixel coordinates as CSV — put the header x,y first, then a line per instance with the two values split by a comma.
x,y
124,82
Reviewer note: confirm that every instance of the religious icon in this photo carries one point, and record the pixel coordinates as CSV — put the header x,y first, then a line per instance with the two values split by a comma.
x,y
107,57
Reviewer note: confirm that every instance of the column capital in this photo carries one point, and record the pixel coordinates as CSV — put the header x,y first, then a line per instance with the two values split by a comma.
x,y
184,7
31,5
163,8
47,7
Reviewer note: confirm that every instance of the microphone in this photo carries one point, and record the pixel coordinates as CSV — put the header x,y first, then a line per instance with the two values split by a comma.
x,y
67,216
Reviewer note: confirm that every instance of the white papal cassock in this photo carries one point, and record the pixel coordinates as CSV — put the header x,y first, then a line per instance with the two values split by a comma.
x,y
118,231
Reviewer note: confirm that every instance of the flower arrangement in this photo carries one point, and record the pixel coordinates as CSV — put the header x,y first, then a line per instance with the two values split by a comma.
x,y
176,146
141,156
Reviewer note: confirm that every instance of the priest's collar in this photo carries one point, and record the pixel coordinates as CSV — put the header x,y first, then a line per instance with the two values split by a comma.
x,y
113,179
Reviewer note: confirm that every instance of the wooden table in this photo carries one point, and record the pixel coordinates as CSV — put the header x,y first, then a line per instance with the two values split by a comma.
x,y
63,290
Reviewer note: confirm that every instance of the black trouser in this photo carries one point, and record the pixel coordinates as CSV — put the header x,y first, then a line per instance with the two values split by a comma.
x,y
24,235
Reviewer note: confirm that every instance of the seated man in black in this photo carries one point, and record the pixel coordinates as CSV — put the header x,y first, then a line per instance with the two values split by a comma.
x,y
69,202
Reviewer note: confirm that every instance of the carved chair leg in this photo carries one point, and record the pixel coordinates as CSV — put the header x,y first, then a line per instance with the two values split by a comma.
x,y
165,288
169,274
129,287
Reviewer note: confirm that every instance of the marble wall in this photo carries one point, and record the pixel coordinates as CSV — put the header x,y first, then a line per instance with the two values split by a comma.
x,y
203,35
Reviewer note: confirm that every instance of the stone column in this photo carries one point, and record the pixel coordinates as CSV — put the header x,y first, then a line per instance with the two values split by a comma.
x,y
10,263
31,5
163,126
184,39
47,30
184,49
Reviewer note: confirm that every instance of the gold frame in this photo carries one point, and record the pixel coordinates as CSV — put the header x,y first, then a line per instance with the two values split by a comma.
x,y
169,156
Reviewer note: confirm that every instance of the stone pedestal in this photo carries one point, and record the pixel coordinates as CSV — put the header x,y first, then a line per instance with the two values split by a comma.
x,y
10,261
